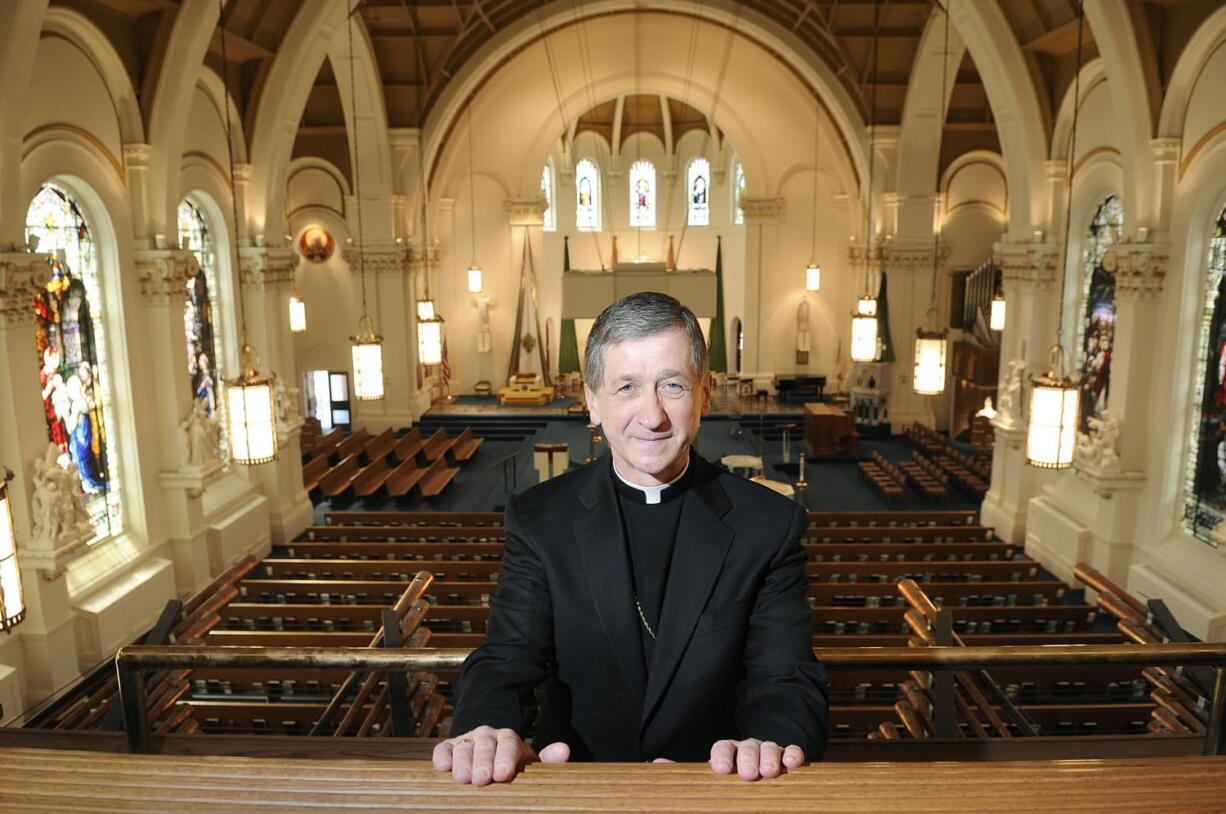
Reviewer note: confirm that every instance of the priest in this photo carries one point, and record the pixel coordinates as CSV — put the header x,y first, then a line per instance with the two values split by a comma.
x,y
651,605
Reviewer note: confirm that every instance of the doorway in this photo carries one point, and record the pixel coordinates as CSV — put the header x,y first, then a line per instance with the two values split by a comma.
x,y
328,398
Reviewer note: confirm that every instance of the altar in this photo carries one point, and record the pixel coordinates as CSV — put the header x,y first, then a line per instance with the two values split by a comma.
x,y
830,431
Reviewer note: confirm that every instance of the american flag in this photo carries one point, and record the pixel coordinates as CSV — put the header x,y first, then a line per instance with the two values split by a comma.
x,y
446,371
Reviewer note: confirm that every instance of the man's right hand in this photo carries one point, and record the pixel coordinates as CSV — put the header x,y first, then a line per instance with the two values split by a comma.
x,y
486,755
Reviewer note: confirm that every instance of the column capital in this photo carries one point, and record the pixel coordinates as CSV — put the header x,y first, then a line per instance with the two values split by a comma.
x,y
528,211
1029,265
380,260
1166,150
420,257
1139,268
22,275
263,267
163,274
762,210
137,155
910,256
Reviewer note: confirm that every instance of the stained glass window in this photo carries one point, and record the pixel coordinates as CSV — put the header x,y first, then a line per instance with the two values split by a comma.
x,y
73,375
738,192
642,195
551,218
200,310
1205,478
698,183
587,196
1097,328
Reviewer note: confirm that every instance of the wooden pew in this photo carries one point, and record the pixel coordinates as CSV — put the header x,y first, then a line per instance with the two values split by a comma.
x,y
353,444
375,534
274,568
313,471
1016,570
371,478
355,518
437,445
326,445
401,480
466,445
437,476
340,477
389,551
408,445
943,517
379,446
898,534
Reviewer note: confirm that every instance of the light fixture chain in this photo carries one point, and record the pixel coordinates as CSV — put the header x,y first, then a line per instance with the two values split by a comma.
x,y
942,112
872,150
242,304
817,135
1068,190
356,152
472,193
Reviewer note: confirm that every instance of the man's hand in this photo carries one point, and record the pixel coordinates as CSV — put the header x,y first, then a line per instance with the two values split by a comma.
x,y
754,758
486,754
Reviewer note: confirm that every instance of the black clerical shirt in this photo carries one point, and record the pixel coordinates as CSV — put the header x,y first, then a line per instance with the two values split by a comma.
x,y
651,532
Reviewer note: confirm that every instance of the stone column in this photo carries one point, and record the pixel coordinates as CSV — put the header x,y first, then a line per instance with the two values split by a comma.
x,y
266,275
1030,273
908,266
390,301
163,275
762,218
47,650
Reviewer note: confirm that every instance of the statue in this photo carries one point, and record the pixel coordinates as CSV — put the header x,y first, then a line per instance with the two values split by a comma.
x,y
57,500
802,332
201,436
1096,448
287,404
988,411
1010,407
485,342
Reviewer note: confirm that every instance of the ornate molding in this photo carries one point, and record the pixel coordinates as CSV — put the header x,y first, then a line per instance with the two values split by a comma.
x,y
420,258
394,260
762,210
21,278
910,257
163,274
263,267
137,155
1029,265
526,211
1139,268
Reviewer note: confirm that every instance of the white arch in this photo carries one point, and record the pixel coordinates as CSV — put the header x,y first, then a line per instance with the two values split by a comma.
x,y
1015,107
1092,74
1131,92
170,103
77,29
1208,36
526,31
317,29
922,122
18,48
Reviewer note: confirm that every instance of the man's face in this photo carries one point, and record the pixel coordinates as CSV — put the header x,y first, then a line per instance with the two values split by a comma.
x,y
649,405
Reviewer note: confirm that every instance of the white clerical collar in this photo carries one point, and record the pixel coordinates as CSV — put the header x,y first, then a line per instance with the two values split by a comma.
x,y
651,494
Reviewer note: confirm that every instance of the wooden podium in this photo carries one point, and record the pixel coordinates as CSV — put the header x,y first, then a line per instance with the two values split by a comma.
x,y
830,431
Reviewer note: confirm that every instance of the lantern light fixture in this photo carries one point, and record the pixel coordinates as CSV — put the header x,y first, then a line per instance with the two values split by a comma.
x,y
250,405
996,316
864,327
474,278
12,596
430,340
864,330
367,362
1055,398
813,277
297,314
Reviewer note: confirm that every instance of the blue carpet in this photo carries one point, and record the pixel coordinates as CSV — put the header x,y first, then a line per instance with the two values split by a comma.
x,y
486,482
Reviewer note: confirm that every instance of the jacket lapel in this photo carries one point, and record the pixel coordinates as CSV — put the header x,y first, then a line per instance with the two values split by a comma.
x,y
698,557
602,549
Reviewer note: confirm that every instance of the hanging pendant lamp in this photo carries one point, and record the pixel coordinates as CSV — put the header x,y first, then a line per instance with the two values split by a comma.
x,y
367,343
1055,398
12,595
251,407
996,316
297,314
813,277
864,328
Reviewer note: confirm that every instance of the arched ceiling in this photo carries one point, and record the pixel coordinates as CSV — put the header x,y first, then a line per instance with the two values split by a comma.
x,y
421,45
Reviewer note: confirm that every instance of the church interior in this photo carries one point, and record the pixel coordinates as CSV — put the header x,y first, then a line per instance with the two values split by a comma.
x,y
294,296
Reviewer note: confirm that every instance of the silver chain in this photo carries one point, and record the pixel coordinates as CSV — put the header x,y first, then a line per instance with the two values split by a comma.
x,y
650,632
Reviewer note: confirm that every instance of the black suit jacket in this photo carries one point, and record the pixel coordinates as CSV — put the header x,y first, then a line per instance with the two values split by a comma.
x,y
733,659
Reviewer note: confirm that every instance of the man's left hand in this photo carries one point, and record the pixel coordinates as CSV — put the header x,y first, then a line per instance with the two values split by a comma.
x,y
753,759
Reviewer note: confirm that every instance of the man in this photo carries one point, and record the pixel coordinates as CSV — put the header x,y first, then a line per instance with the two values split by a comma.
x,y
660,601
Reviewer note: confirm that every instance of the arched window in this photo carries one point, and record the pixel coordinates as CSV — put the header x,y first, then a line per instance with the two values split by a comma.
x,y
642,195
73,375
698,185
551,218
1097,328
200,308
738,192
1205,479
587,196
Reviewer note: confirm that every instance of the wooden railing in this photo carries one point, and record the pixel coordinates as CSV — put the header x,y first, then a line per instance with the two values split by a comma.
x,y
132,662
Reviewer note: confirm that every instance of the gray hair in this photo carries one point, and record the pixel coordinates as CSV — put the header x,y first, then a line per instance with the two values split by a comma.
x,y
638,316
